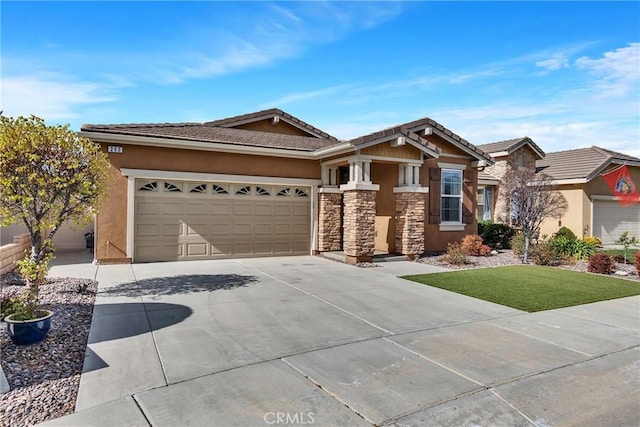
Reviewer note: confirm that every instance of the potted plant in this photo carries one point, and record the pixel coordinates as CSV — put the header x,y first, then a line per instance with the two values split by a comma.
x,y
48,176
27,321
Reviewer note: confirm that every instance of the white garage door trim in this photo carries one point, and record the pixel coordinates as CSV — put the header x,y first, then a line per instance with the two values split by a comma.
x,y
597,198
133,174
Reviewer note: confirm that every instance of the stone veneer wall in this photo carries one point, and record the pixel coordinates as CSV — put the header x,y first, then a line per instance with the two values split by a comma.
x,y
410,208
359,225
329,222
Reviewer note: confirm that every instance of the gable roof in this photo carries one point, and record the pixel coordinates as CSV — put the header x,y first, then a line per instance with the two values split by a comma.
x,y
505,148
270,114
436,128
581,165
396,132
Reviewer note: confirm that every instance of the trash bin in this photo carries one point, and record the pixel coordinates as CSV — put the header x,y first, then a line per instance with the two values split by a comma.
x,y
88,238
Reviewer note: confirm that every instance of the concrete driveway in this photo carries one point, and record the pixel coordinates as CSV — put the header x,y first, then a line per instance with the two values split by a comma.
x,y
304,340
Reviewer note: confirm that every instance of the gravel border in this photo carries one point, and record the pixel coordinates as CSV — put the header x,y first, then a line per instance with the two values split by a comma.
x,y
45,377
506,257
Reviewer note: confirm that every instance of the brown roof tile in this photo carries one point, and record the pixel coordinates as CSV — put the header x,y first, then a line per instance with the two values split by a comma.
x,y
582,163
199,132
258,115
391,132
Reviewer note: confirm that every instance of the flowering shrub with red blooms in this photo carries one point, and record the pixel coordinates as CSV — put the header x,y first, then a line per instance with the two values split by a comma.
x,y
636,259
600,263
472,243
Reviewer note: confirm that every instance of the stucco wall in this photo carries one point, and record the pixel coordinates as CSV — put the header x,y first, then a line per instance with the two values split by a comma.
x,y
436,240
111,220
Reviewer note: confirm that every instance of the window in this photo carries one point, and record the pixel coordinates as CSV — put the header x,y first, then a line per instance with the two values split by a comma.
x,y
150,186
262,191
217,189
485,203
284,192
451,196
172,188
301,193
199,188
244,190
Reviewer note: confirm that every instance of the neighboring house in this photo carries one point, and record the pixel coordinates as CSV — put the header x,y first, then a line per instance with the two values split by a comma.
x,y
519,153
267,183
593,210
69,237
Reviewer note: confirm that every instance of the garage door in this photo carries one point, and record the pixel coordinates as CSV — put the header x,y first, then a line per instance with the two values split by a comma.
x,y
176,220
610,220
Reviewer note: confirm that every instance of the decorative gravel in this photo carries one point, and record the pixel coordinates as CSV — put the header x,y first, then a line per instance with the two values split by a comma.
x,y
44,377
506,257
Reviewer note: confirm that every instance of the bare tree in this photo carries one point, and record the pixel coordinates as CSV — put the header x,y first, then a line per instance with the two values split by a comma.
x,y
530,198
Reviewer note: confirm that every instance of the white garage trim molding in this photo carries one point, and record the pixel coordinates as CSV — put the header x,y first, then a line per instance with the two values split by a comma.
x,y
137,174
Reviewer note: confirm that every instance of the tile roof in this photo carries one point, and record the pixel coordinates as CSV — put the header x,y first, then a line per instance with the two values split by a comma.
x,y
483,175
258,115
511,145
200,132
582,163
427,122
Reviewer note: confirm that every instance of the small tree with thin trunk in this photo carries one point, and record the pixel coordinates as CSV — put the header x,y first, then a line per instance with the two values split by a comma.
x,y
530,198
48,175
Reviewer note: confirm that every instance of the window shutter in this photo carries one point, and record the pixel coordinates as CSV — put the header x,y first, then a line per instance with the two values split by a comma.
x,y
467,197
434,195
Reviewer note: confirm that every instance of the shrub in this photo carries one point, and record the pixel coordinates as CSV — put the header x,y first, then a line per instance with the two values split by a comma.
x,y
593,241
496,235
544,254
583,249
600,263
636,259
517,244
472,244
563,245
620,259
456,254
564,231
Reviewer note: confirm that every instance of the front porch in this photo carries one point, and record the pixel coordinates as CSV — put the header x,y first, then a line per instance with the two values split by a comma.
x,y
373,201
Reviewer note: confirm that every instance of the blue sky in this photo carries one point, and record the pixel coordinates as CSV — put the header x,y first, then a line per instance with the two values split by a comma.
x,y
566,74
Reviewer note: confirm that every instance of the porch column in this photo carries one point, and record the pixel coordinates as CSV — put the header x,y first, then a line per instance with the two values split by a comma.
x,y
359,225
410,211
329,221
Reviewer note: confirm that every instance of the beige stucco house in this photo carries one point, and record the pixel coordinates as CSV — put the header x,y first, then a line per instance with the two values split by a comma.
x,y
593,210
268,183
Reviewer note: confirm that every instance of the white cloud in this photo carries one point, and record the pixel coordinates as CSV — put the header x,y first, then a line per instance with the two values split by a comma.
x,y
50,96
304,96
556,62
617,72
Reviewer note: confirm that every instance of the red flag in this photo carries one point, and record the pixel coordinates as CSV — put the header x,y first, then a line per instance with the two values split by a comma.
x,y
622,186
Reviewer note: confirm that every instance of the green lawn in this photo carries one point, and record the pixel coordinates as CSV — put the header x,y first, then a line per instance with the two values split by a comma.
x,y
630,253
531,288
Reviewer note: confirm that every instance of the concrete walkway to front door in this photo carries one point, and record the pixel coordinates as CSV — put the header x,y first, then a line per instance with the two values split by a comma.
x,y
305,340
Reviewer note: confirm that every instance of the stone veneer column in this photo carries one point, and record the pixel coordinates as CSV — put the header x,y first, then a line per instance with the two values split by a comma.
x,y
410,208
329,221
359,225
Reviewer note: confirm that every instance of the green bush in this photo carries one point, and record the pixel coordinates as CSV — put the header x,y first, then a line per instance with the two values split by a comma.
x,y
496,235
583,249
563,245
517,244
564,231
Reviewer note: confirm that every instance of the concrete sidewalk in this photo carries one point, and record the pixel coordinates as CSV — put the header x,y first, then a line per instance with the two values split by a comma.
x,y
239,342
